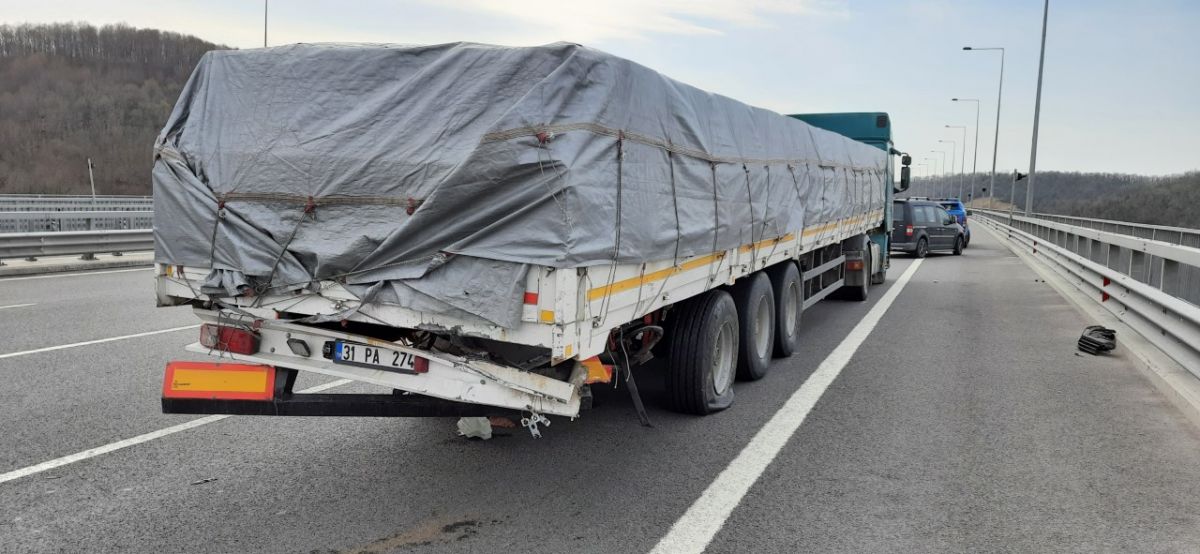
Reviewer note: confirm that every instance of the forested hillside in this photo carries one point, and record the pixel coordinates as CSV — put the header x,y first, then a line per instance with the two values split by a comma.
x,y
73,91
1167,200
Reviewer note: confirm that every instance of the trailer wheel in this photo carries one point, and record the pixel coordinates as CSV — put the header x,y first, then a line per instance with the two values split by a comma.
x,y
756,319
704,352
789,303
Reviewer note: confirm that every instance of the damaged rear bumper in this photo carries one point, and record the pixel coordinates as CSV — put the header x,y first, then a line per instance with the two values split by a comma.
x,y
452,386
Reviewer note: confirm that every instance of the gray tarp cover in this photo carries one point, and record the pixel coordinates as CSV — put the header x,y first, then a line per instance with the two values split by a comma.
x,y
431,177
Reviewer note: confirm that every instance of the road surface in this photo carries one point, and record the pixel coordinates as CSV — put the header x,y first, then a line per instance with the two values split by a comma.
x,y
964,421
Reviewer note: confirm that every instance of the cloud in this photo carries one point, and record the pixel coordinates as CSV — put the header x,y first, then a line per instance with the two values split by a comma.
x,y
637,19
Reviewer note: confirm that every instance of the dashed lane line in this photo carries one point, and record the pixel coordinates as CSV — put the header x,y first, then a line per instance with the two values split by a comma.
x,y
132,441
91,342
79,274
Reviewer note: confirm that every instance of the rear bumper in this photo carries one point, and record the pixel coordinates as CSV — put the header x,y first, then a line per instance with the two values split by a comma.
x,y
451,386
320,404
903,246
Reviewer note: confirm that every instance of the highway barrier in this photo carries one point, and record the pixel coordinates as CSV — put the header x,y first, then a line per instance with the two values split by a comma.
x,y
1151,285
26,245
66,203
50,221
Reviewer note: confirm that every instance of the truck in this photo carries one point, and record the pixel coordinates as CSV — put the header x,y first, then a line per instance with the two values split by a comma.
x,y
481,231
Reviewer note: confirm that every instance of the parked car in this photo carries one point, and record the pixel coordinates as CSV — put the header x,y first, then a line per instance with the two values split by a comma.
x,y
922,226
959,211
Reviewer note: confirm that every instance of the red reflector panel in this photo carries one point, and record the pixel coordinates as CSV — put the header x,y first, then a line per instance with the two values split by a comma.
x,y
420,365
219,381
531,298
854,265
229,339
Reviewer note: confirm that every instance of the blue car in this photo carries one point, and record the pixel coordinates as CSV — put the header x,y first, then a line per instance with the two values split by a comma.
x,y
959,211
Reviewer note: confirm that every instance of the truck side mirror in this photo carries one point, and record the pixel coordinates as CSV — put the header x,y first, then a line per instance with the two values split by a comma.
x,y
904,179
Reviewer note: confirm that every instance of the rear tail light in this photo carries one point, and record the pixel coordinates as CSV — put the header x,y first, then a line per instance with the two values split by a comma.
x,y
908,230
854,265
420,365
229,339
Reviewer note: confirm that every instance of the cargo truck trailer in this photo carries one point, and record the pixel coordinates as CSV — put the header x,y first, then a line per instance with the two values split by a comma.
x,y
486,230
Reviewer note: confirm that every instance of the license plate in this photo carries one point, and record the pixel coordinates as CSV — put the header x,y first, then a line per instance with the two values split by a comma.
x,y
375,357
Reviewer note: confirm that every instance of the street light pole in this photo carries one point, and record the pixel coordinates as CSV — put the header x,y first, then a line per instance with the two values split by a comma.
x,y
265,22
933,171
963,163
975,158
92,180
942,173
1037,112
923,172
953,154
999,96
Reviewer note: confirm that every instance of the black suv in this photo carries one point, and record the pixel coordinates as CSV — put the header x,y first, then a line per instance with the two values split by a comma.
x,y
923,225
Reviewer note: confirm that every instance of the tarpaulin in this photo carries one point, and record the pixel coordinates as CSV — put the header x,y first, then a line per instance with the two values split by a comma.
x,y
432,177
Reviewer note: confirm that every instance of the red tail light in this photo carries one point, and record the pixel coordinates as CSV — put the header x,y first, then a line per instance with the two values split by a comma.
x,y
229,339
420,365
908,230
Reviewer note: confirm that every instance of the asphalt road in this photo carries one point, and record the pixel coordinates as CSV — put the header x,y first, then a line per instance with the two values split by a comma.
x,y
964,422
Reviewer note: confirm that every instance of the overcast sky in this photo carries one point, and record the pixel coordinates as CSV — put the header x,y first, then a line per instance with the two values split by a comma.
x,y
1120,94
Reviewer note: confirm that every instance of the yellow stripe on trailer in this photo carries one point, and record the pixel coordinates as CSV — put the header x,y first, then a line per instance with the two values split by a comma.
x,y
634,282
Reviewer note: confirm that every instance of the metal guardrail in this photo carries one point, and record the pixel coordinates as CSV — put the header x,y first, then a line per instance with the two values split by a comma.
x,y
1174,235
26,245
69,203
1151,285
49,221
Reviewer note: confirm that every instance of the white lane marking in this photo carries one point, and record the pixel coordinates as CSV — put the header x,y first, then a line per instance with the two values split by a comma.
x,y
18,306
706,516
57,275
97,341
126,443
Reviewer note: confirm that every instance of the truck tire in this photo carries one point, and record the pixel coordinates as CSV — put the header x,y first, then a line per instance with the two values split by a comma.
x,y
881,277
789,304
860,293
756,320
703,354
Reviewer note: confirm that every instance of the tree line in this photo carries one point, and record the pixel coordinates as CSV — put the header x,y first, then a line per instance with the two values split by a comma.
x,y
70,91
1159,200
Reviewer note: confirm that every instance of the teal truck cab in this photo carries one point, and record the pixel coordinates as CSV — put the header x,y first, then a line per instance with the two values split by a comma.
x,y
875,129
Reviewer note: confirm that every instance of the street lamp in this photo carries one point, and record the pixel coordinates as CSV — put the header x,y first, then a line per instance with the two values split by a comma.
x,y
923,172
962,165
999,94
942,173
975,158
932,172
953,154
1037,112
